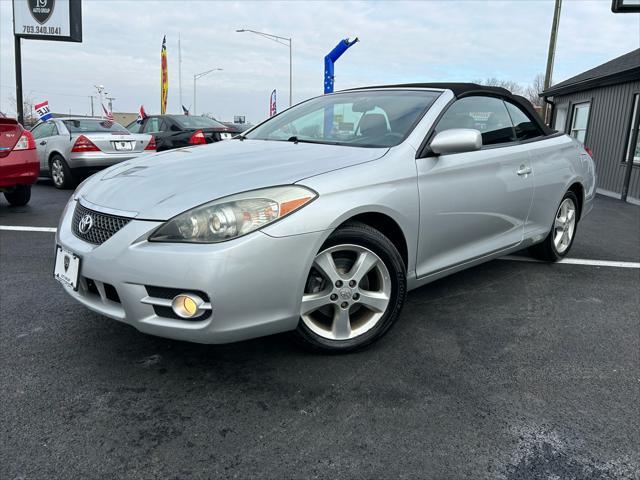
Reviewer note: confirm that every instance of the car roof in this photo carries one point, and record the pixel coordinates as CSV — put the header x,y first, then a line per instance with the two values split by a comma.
x,y
458,88
77,118
461,89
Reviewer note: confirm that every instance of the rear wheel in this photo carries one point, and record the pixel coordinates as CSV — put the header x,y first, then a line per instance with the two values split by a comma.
x,y
19,196
60,173
354,292
560,238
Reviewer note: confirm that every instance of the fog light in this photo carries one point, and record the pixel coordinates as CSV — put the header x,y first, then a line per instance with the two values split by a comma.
x,y
187,305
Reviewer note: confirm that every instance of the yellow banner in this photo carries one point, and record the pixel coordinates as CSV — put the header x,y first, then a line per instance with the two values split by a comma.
x,y
164,77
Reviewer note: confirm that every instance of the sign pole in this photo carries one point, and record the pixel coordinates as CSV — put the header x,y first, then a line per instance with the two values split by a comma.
x,y
18,57
17,43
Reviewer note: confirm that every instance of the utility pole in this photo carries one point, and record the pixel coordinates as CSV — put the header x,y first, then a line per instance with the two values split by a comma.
x,y
110,100
91,97
552,53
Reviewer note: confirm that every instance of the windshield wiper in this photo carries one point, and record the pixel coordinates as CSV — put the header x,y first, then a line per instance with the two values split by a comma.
x,y
295,139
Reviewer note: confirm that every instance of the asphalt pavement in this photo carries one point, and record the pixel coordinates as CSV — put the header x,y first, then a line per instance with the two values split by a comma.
x,y
510,370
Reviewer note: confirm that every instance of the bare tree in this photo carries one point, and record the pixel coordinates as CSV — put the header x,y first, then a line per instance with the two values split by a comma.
x,y
513,87
30,117
533,91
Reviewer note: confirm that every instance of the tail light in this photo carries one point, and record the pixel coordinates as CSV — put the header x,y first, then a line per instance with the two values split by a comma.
x,y
83,144
152,144
25,142
588,150
197,138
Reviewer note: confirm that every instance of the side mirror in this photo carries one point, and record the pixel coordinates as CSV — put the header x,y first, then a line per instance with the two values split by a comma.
x,y
456,140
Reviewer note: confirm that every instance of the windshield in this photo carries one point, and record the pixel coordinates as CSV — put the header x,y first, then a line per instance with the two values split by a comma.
x,y
93,125
186,121
359,118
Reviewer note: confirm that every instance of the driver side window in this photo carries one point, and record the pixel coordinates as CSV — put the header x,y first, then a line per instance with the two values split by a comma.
x,y
44,130
487,114
152,125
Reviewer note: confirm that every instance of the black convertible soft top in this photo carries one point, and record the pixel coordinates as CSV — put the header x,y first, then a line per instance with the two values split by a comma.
x,y
461,90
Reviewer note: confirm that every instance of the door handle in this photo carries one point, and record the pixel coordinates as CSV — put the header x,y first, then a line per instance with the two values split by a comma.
x,y
524,170
43,142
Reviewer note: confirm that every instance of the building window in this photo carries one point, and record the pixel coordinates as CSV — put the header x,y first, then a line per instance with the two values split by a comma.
x,y
560,121
579,121
635,148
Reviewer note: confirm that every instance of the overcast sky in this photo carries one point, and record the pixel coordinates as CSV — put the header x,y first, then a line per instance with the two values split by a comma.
x,y
399,42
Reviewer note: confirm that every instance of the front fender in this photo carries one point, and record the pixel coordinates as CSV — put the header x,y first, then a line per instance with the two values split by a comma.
x,y
386,186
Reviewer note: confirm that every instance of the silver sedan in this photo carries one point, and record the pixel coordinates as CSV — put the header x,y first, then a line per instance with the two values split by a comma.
x,y
72,147
321,219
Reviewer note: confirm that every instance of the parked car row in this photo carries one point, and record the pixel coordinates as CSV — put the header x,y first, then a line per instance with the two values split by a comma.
x,y
174,131
72,148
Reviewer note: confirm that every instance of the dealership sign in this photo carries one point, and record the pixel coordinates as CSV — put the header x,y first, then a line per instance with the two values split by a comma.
x,y
48,20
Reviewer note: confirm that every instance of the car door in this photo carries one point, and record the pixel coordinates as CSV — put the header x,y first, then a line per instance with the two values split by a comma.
x,y
42,135
475,203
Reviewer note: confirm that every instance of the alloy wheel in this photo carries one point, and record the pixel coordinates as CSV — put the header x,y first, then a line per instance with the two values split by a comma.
x,y
347,292
564,225
57,171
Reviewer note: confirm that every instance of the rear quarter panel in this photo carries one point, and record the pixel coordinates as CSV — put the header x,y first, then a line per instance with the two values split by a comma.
x,y
557,164
19,168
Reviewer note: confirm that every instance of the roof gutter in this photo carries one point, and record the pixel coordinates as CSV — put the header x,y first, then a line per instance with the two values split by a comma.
x,y
595,82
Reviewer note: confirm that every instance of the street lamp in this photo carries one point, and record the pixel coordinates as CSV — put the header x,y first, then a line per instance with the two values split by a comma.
x,y
282,41
196,77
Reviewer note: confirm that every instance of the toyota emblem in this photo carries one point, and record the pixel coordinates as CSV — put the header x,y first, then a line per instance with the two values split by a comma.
x,y
85,224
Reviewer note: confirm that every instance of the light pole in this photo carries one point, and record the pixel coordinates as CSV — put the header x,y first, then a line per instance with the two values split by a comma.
x,y
196,77
100,89
282,41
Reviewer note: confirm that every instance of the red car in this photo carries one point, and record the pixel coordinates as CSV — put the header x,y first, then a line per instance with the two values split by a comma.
x,y
19,166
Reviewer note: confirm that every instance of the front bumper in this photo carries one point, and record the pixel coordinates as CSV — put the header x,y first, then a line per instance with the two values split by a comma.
x,y
255,283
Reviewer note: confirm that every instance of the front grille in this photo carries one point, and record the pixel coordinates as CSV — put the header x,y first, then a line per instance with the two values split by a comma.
x,y
102,228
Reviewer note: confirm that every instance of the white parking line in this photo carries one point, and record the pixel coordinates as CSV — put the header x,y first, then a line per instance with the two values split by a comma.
x,y
579,261
11,228
515,258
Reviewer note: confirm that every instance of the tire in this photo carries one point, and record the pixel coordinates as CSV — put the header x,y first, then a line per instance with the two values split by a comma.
x,y
563,231
20,196
354,292
61,173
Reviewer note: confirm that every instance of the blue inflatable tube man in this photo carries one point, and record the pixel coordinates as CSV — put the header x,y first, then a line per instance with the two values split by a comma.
x,y
329,61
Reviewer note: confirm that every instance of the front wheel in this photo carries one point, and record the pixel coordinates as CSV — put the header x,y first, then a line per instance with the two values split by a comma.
x,y
20,196
560,238
354,292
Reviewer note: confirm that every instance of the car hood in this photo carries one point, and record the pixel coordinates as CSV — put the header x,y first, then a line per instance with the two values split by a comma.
x,y
160,186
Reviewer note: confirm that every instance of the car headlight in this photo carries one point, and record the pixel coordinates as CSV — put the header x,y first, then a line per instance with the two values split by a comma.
x,y
233,216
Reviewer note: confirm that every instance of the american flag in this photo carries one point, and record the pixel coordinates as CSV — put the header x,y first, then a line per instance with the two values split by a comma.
x,y
108,114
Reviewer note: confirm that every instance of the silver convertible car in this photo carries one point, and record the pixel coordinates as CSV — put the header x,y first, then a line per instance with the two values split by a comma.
x,y
72,147
322,218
